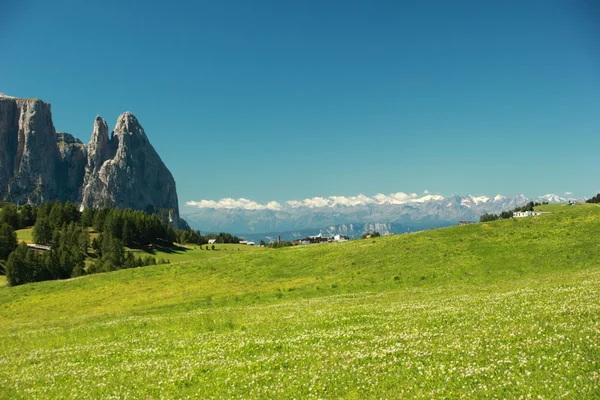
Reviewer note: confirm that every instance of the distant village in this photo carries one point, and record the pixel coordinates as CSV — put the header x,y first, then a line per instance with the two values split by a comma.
x,y
320,238
519,212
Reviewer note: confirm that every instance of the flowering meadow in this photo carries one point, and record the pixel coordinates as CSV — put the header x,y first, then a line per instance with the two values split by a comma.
x,y
530,329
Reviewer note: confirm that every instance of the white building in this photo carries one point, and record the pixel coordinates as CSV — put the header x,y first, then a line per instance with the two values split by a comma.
x,y
212,241
340,238
521,214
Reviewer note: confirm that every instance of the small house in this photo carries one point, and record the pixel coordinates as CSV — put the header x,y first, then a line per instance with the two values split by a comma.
x,y
521,214
340,238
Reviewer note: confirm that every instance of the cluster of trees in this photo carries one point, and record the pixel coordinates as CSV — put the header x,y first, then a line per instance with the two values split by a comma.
x,y
111,256
529,206
509,214
195,237
222,238
191,237
370,235
63,229
595,199
276,245
491,217
20,219
8,243
132,227
66,258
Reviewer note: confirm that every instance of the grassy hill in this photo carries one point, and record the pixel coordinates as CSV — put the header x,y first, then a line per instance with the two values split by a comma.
x,y
500,309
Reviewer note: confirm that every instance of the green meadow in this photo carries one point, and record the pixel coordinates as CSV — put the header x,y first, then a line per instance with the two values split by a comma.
x,y
25,235
505,309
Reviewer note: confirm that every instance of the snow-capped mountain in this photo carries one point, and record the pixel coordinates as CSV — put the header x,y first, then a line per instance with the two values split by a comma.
x,y
353,231
400,210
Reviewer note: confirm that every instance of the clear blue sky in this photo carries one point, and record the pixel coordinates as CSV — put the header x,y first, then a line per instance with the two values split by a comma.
x,y
281,100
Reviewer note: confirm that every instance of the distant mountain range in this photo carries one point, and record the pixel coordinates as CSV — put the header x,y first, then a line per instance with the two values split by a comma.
x,y
350,216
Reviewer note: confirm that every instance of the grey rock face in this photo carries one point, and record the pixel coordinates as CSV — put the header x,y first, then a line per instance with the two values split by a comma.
x,y
38,164
126,171
73,158
98,151
99,147
29,154
9,127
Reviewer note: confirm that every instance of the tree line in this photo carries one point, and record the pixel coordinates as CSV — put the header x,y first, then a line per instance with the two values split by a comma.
x,y
595,199
368,235
65,231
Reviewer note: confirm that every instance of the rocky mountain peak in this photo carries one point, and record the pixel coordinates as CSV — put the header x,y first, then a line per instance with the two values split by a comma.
x,y
100,131
38,164
125,170
98,148
67,138
128,123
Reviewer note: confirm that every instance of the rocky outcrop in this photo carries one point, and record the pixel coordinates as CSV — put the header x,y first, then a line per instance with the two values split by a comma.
x,y
9,127
73,159
38,164
125,170
29,155
98,151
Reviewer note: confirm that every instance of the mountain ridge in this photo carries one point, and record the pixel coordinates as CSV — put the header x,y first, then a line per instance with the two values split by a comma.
x,y
434,211
40,164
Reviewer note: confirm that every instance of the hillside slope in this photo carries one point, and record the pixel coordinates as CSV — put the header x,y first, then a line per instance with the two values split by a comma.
x,y
564,240
500,309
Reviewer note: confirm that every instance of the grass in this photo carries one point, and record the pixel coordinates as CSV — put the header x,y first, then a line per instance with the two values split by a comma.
x,y
25,235
194,252
503,309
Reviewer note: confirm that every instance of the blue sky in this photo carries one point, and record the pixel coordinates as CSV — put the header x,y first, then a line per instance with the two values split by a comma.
x,y
281,100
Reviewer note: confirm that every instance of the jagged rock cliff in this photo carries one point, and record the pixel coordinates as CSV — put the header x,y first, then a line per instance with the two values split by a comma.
x,y
126,170
73,157
29,155
38,164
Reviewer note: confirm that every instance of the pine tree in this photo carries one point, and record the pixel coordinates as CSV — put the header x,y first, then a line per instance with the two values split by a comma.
x,y
56,217
8,215
17,270
83,240
42,230
100,218
27,216
70,213
87,217
128,232
8,240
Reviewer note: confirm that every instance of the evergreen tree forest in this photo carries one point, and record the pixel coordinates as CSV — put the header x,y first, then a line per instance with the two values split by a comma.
x,y
595,199
63,248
